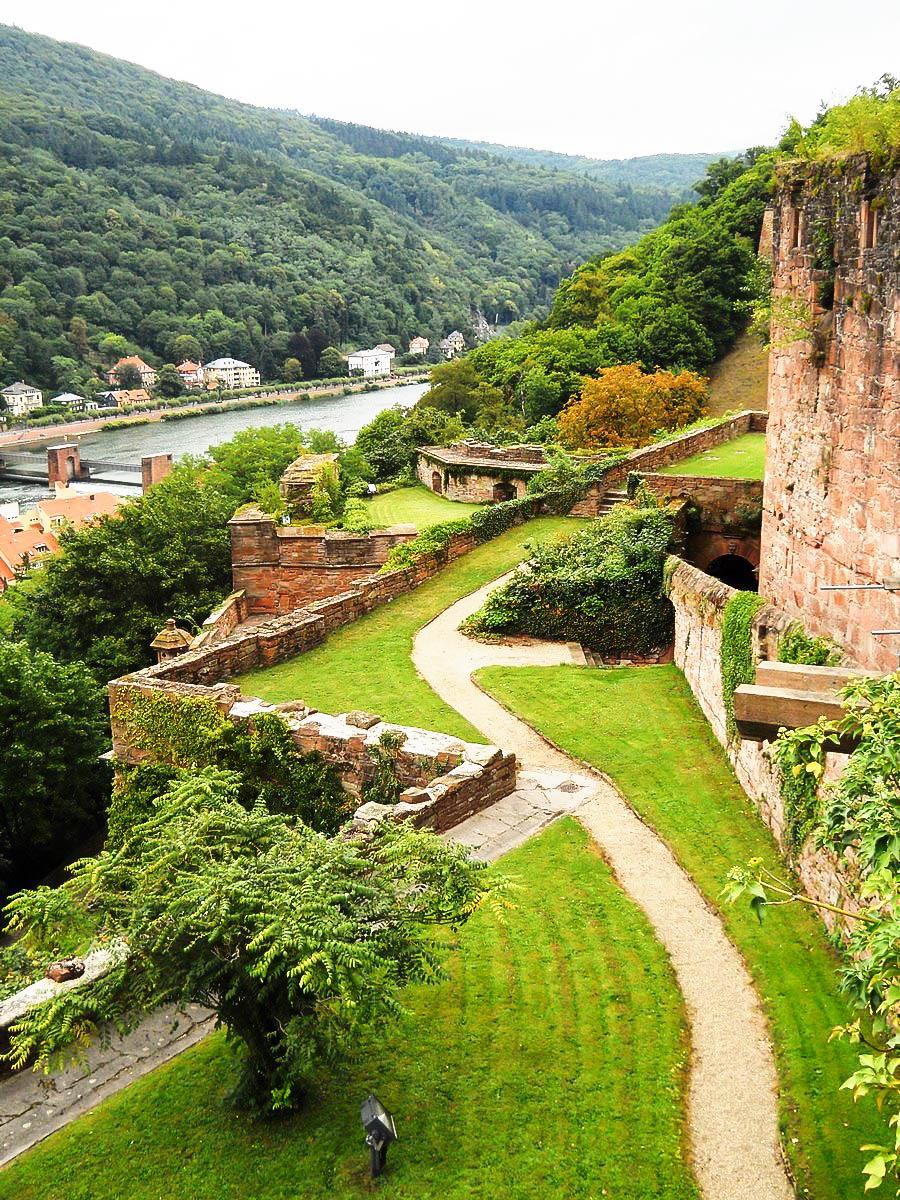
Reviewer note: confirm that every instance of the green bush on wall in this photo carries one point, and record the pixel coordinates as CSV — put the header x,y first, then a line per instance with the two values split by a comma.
x,y
736,655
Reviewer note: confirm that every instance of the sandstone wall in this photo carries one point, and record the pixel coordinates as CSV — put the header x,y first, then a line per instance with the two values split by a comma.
x,y
832,492
699,602
281,567
445,779
222,621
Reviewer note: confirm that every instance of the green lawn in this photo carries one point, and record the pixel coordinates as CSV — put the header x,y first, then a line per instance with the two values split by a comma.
x,y
742,458
367,664
416,506
551,1063
642,727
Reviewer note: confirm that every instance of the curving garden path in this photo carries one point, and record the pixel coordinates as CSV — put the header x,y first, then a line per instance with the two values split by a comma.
x,y
732,1118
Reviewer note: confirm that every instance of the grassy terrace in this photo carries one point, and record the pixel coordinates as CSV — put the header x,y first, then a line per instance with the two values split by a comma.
x,y
742,458
549,1063
642,727
416,506
367,664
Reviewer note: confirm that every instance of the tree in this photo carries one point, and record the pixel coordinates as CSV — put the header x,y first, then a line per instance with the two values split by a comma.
x,y
168,382
52,787
103,599
291,371
454,389
252,458
624,407
185,348
332,363
295,940
112,346
128,376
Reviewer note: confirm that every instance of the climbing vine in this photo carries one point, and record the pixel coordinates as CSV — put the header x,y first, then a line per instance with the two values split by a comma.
x,y
736,655
800,756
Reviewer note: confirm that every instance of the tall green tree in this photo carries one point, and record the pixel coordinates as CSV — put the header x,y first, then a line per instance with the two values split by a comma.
x,y
53,788
298,942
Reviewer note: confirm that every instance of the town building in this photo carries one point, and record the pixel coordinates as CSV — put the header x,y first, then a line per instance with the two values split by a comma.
x,y
230,374
376,361
387,348
192,375
22,545
146,372
75,402
69,507
454,343
419,345
21,398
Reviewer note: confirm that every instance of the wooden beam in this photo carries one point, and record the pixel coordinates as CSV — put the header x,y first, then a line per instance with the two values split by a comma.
x,y
760,711
797,677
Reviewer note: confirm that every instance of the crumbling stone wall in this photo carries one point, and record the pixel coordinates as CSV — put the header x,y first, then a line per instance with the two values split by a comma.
x,y
832,493
445,780
725,514
282,567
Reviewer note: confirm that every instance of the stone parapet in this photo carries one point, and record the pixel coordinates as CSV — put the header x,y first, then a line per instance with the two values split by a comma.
x,y
699,602
282,567
445,779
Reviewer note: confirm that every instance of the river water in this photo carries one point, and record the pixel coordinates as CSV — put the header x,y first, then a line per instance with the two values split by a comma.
x,y
343,415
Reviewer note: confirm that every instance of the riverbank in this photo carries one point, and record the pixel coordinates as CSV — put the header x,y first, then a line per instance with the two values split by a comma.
x,y
26,438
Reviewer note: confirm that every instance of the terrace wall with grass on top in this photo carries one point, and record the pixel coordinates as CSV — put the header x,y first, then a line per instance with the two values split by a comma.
x,y
650,459
700,602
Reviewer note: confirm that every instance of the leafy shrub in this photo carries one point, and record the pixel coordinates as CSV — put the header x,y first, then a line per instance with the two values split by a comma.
x,y
601,587
797,646
356,518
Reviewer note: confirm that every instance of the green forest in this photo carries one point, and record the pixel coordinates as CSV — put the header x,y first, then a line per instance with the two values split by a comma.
x,y
137,206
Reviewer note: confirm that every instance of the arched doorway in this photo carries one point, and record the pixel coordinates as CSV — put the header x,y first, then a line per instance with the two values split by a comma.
x,y
436,483
70,467
736,571
504,491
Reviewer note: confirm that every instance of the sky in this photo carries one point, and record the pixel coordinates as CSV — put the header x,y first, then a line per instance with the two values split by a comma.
x,y
600,79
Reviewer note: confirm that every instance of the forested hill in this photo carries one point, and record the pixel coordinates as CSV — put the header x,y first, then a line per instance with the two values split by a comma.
x,y
676,173
144,207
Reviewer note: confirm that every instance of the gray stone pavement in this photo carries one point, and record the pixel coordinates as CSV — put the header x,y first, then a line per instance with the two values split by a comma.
x,y
540,797
33,1105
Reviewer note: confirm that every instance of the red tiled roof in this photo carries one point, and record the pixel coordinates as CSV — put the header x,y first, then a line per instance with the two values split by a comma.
x,y
80,508
18,540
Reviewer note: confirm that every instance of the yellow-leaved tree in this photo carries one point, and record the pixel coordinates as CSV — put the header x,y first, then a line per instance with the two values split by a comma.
x,y
624,406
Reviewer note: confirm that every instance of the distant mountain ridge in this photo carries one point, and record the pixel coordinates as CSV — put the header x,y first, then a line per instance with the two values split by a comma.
x,y
678,172
145,207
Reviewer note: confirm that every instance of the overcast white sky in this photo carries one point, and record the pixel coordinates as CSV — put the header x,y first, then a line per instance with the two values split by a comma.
x,y
602,79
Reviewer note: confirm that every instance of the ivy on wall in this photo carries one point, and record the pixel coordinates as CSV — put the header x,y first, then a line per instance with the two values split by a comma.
x,y
189,732
736,655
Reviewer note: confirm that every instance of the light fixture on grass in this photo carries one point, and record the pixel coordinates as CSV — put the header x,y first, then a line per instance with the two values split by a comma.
x,y
380,1131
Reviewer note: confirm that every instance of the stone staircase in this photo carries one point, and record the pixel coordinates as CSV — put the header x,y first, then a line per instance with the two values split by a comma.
x,y
611,498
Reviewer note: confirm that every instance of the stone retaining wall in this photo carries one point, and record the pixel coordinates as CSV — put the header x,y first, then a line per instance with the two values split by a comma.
x,y
445,779
699,602
222,621
650,459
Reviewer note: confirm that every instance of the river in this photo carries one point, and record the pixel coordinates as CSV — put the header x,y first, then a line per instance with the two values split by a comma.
x,y
343,415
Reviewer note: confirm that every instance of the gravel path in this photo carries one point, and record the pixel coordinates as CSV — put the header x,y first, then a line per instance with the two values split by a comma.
x,y
732,1094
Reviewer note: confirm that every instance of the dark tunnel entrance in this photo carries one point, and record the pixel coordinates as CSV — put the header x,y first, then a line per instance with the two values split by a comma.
x,y
734,570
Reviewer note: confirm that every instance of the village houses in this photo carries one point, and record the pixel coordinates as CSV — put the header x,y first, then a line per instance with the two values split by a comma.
x,y
28,536
376,361
126,398
75,402
454,343
146,372
419,345
191,374
21,398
